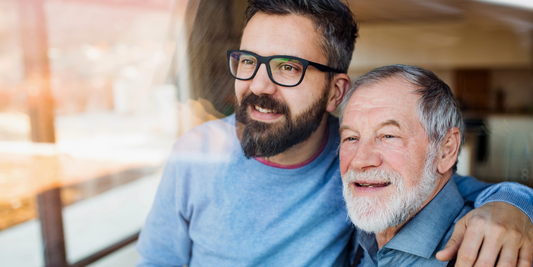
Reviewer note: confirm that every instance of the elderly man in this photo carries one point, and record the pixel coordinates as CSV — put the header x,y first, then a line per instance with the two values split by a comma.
x,y
262,187
401,132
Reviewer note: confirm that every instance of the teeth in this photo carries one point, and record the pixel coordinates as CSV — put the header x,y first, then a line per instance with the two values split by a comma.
x,y
264,110
373,185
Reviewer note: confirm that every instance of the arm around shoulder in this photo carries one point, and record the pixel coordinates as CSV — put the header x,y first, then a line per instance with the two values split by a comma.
x,y
512,193
483,193
499,231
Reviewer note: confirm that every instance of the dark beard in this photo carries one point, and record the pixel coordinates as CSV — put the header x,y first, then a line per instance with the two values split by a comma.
x,y
260,139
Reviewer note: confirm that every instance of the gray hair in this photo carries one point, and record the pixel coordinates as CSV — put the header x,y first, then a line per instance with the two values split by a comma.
x,y
437,110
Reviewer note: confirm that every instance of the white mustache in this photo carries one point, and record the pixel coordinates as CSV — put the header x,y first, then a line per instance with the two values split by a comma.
x,y
372,176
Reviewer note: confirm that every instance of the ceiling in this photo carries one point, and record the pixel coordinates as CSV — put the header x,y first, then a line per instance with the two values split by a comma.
x,y
383,11
405,10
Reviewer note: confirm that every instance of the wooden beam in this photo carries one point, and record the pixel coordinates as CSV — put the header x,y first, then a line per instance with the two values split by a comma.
x,y
36,69
50,207
106,251
34,44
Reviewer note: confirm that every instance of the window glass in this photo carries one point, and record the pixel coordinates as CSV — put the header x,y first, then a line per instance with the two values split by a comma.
x,y
93,94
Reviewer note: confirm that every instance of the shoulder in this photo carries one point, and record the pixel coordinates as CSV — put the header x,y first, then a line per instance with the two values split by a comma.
x,y
209,141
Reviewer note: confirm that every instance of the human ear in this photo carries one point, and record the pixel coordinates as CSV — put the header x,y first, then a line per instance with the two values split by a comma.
x,y
449,150
339,87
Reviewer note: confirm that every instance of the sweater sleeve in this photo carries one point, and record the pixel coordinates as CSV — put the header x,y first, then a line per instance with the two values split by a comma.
x,y
164,240
512,193
469,187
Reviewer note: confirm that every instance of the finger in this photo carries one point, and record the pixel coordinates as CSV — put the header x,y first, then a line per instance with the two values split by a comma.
x,y
509,255
492,245
525,257
450,251
468,252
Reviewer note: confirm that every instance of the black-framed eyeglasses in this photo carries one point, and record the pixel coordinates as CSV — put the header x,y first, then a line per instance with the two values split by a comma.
x,y
283,70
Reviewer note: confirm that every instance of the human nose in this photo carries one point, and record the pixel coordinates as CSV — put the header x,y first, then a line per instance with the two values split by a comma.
x,y
365,156
261,83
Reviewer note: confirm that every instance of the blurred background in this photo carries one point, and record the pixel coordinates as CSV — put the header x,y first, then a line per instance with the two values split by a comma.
x,y
93,93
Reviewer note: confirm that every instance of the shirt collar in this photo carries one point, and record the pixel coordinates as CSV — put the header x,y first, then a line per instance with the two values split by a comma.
x,y
423,233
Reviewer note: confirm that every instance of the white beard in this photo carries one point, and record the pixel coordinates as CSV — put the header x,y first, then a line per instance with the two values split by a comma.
x,y
376,214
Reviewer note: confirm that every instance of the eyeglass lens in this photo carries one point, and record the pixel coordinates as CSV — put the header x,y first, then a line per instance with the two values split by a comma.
x,y
285,71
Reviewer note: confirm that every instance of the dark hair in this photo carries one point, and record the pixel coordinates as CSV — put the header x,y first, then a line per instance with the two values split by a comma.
x,y
437,110
332,18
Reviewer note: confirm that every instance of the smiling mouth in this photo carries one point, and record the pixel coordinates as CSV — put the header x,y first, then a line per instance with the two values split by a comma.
x,y
372,184
264,110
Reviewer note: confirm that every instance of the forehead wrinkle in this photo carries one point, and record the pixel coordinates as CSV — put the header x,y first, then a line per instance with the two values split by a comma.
x,y
367,108
389,99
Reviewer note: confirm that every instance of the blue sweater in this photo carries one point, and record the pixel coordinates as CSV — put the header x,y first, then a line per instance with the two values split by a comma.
x,y
215,207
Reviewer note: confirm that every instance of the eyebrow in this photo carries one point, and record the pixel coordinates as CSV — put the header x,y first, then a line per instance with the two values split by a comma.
x,y
390,122
343,127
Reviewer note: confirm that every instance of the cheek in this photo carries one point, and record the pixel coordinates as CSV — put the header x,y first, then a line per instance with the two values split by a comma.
x,y
299,100
395,155
310,90
296,101
346,154
240,89
408,164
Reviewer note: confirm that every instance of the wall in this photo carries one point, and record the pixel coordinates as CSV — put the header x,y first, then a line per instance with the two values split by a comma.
x,y
441,45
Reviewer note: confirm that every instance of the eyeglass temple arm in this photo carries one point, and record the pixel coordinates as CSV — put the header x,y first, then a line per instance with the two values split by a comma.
x,y
325,68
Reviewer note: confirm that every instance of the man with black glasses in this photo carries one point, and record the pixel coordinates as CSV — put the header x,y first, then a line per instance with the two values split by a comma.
x,y
263,187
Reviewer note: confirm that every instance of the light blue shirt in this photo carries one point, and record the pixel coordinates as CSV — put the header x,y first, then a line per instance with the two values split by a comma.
x,y
417,243
215,207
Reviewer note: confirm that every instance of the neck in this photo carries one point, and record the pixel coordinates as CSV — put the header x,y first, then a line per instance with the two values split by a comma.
x,y
304,150
384,237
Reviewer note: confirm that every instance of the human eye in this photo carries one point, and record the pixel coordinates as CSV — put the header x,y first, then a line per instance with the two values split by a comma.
x,y
349,139
389,137
288,66
247,61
